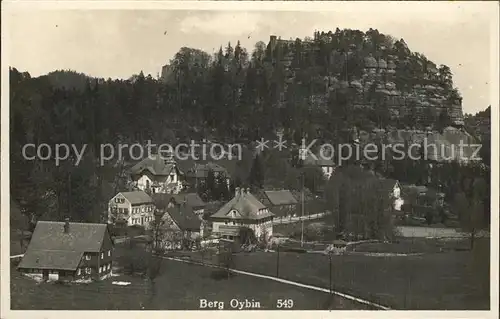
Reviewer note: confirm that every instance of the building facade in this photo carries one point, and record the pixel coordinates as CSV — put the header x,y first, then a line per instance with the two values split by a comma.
x,y
69,251
133,208
158,174
243,210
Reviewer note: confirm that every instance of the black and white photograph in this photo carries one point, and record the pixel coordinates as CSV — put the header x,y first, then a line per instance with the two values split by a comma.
x,y
249,156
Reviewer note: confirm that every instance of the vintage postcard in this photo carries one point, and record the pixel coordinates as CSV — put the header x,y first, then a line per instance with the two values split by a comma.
x,y
249,156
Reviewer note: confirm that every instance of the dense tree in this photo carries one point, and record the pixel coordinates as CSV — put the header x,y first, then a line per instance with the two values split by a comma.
x,y
232,95
469,207
256,177
361,206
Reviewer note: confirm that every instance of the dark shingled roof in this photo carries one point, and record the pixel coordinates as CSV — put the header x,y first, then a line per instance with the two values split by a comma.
x,y
86,237
192,199
51,248
308,196
137,197
161,200
184,217
51,259
246,204
281,197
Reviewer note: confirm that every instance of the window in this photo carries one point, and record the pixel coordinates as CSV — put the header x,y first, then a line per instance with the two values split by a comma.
x,y
87,257
109,253
88,270
100,269
102,255
79,272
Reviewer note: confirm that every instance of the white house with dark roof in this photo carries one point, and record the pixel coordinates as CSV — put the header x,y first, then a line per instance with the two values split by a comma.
x,y
133,208
157,174
243,210
68,251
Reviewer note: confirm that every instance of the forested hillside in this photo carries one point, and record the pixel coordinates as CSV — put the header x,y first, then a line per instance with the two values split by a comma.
x,y
329,87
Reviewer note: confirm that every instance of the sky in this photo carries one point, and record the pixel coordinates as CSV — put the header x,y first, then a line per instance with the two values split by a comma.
x,y
119,43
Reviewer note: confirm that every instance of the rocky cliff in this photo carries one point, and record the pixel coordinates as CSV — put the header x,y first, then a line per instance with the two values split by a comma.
x,y
378,74
376,71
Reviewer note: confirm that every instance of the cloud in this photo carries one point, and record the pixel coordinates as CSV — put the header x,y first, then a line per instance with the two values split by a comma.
x,y
228,24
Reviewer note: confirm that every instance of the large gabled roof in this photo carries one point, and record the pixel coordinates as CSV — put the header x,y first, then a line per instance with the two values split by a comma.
x,y
184,217
86,237
161,200
191,199
280,197
51,259
137,197
51,247
247,206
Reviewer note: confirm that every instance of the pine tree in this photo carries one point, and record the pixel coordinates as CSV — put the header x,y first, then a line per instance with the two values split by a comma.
x,y
211,186
256,177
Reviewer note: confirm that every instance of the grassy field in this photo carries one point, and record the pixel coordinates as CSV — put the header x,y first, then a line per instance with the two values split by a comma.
x,y
179,287
413,245
454,280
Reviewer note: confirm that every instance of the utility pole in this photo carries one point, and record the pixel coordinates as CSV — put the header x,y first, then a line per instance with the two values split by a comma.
x,y
278,261
330,260
302,218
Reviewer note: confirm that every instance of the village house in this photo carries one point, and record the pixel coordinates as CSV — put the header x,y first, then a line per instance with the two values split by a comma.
x,y
179,221
157,174
193,200
243,210
68,251
198,173
281,202
132,208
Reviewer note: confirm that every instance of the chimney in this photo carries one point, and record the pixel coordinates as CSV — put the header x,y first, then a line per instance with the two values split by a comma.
x,y
236,191
66,225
